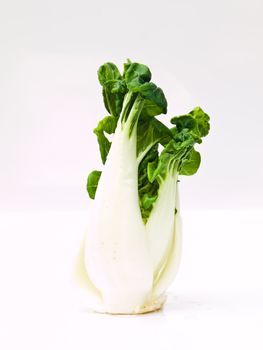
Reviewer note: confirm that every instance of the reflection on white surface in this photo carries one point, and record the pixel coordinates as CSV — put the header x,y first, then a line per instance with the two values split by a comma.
x,y
216,301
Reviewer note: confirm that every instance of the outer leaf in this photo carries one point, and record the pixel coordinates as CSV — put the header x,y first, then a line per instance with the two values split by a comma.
x,y
191,164
92,183
137,77
202,121
108,125
179,154
196,121
108,71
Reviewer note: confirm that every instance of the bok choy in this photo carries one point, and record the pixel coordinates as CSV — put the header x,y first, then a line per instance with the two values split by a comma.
x,y
131,251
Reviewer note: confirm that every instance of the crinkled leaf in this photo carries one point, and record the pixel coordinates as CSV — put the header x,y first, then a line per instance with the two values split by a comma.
x,y
137,77
136,74
92,183
179,153
170,158
155,103
196,122
202,121
184,122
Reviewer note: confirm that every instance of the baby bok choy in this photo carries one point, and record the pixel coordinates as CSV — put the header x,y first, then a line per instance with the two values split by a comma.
x,y
131,251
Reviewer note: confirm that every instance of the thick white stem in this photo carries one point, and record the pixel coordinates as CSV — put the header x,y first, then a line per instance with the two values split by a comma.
x,y
170,266
116,252
160,224
83,280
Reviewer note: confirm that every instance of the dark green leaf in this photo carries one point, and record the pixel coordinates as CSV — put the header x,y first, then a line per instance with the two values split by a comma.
x,y
113,88
184,122
106,125
155,103
136,74
137,77
148,191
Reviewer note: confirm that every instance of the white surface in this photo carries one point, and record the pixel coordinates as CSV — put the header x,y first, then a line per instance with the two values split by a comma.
x,y
215,303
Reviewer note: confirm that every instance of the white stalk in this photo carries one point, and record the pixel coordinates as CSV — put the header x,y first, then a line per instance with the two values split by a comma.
x,y
170,266
160,224
116,252
82,278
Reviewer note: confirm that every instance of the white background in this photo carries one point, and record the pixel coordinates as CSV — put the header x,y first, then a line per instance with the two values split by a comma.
x,y
203,53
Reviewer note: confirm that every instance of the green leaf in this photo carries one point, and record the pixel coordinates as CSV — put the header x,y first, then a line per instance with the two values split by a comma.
x,y
184,122
191,163
149,132
136,74
92,183
126,66
179,153
108,71
148,192
202,121
159,171
148,200
113,95
155,103
113,88
196,121
171,157
106,125
137,77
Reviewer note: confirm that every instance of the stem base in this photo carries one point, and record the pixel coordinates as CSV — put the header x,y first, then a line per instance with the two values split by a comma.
x,y
152,306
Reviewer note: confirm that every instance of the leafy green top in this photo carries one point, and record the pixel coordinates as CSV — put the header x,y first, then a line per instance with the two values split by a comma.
x,y
133,91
